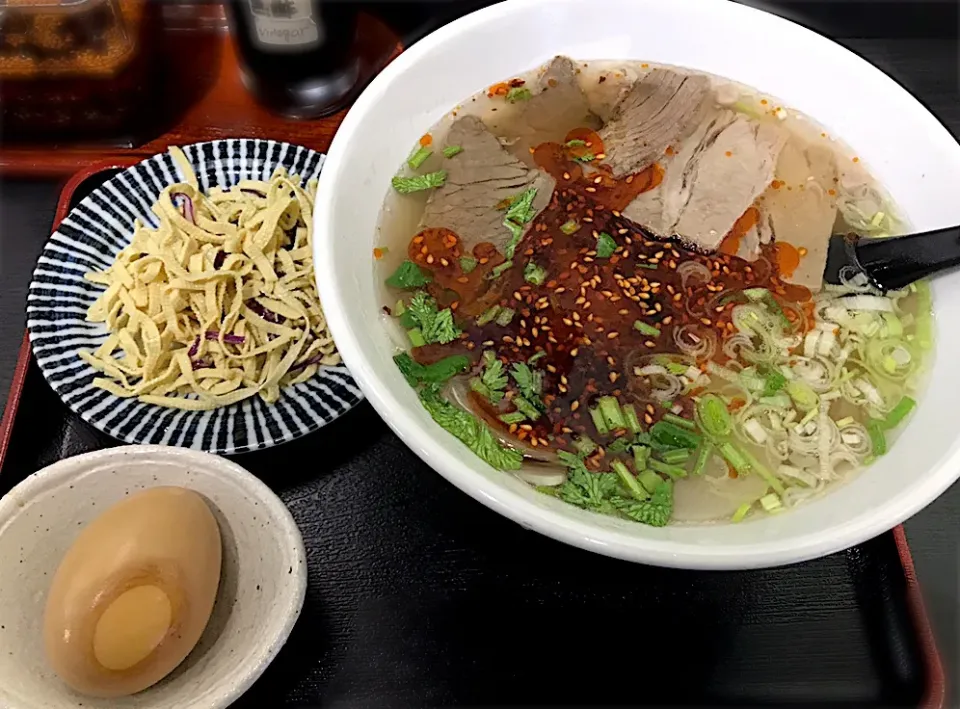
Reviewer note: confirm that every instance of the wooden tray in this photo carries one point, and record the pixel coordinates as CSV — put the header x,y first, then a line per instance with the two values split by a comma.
x,y
419,596
200,97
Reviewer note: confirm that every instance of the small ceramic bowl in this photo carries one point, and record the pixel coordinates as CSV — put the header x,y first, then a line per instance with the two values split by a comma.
x,y
262,583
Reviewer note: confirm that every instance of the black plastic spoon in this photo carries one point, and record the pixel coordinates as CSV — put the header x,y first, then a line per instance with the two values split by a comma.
x,y
895,262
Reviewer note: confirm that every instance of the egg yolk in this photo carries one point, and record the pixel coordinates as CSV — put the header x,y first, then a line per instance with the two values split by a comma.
x,y
132,627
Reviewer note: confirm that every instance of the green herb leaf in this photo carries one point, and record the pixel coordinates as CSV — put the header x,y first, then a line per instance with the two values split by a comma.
x,y
505,316
576,143
493,374
586,157
529,381
471,431
519,93
406,185
621,445
605,245
468,264
488,315
436,373
528,409
408,275
538,356
512,418
569,227
656,511
519,213
451,150
419,157
494,397
532,273
585,489
436,327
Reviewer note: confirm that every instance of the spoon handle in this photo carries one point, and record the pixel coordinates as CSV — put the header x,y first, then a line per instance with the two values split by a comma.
x,y
896,262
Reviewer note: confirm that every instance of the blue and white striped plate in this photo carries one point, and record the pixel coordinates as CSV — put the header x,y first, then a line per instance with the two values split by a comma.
x,y
90,237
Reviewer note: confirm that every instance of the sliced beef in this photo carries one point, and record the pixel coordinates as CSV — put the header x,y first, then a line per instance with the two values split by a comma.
x,y
479,179
557,105
803,216
719,171
660,110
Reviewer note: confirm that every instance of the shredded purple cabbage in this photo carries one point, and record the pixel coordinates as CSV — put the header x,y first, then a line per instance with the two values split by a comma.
x,y
194,348
267,315
185,205
316,359
219,259
231,339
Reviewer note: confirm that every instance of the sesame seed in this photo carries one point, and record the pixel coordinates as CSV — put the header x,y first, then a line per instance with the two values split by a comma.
x,y
613,377
430,258
706,321
650,343
517,296
648,419
444,262
526,427
574,406
613,335
591,189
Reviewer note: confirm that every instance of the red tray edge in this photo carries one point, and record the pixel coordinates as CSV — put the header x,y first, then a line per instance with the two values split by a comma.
x,y
935,695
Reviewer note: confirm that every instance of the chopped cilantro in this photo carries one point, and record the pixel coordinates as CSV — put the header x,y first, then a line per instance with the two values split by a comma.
x,y
527,408
532,273
621,445
505,316
408,275
451,150
576,143
437,373
519,93
419,157
493,374
436,327
499,270
488,315
512,417
656,511
519,213
467,264
605,245
406,185
472,432
539,355
494,397
586,157
569,227
529,382
585,489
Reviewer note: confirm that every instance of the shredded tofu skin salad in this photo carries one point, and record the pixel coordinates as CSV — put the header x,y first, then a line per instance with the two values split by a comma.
x,y
218,304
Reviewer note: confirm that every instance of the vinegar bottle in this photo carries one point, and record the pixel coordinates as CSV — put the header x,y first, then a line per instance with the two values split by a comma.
x,y
298,57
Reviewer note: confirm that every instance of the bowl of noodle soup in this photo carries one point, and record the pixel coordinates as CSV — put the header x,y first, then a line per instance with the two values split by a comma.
x,y
421,91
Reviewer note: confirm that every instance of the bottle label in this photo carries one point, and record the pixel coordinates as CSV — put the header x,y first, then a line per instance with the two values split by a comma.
x,y
284,25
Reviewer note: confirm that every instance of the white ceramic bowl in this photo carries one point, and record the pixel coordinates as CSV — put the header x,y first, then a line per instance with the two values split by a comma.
x,y
903,144
262,582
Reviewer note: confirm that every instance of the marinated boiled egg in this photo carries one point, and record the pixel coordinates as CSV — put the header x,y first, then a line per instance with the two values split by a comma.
x,y
133,594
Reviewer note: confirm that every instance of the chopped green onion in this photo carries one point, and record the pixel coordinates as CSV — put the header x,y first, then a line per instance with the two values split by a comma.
x,y
713,417
644,329
416,337
629,480
610,409
488,315
499,270
680,421
532,273
538,356
505,316
648,266
669,434
641,454
733,455
899,412
406,185
519,93
512,418
630,416
771,502
650,480
569,227
451,150
599,422
803,396
675,457
526,408
419,157
584,445
605,245
748,463
741,512
674,471
468,264
677,368
878,440
703,457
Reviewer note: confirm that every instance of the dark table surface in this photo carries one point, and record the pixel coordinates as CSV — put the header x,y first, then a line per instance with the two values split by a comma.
x,y
922,54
